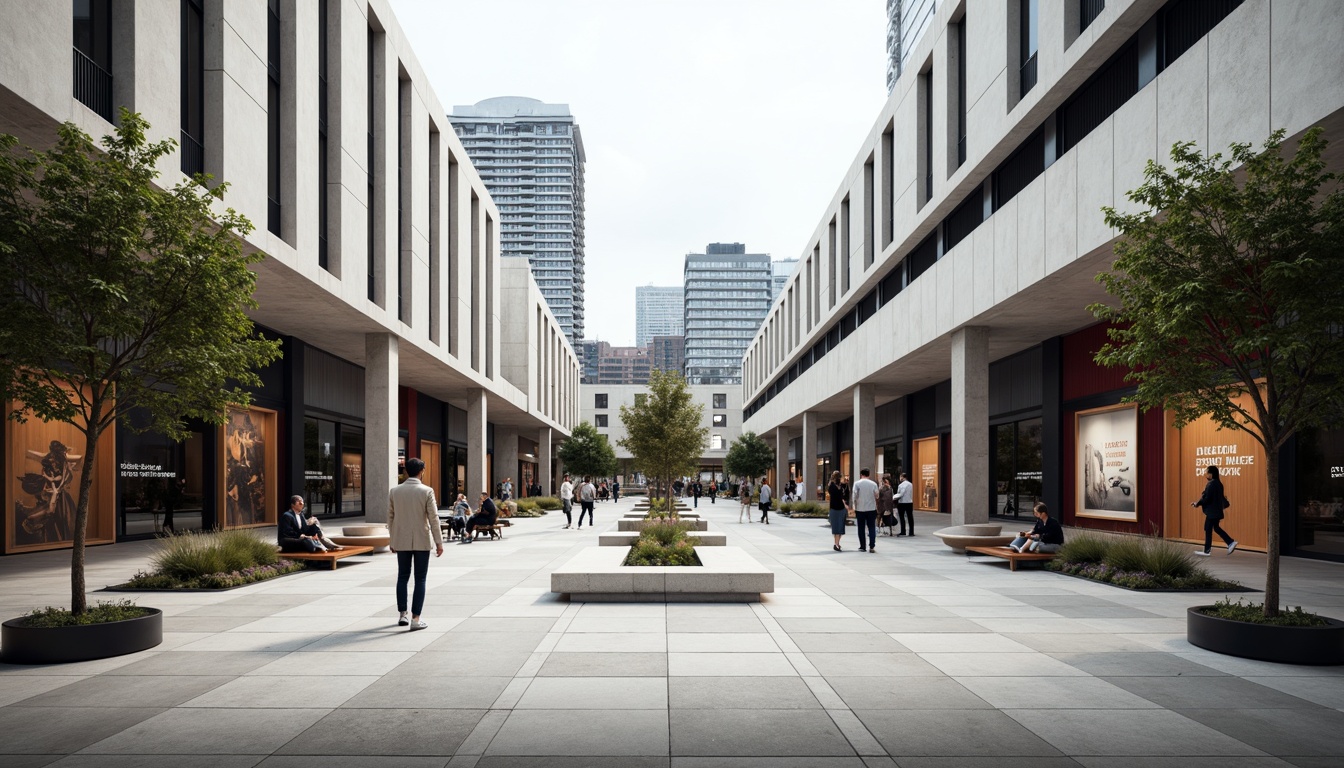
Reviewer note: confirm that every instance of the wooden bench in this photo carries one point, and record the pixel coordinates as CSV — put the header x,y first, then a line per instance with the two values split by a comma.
x,y
496,531
327,557
1012,557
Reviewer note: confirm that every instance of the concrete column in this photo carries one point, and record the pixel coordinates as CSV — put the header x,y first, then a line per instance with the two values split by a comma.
x,y
380,423
478,412
781,459
970,425
506,458
544,460
865,432
809,457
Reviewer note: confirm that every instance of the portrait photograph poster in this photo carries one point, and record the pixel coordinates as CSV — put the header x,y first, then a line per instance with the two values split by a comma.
x,y
1107,467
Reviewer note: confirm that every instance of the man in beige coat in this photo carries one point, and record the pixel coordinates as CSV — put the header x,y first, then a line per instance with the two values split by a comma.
x,y
412,520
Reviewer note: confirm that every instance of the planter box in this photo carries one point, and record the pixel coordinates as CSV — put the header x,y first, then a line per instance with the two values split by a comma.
x,y
727,574
638,523
21,644
627,538
1266,642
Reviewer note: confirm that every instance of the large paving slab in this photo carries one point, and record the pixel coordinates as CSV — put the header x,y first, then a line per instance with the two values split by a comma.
x,y
912,657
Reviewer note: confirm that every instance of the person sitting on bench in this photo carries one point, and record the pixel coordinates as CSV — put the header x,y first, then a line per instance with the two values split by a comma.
x,y
299,534
484,518
1046,537
461,511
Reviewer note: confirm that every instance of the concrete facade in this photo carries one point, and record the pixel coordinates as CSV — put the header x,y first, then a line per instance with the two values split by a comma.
x,y
721,434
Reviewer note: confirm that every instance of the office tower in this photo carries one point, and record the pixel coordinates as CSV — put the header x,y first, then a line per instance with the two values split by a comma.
x,y
668,353
530,155
623,365
727,297
658,312
590,352
906,22
780,271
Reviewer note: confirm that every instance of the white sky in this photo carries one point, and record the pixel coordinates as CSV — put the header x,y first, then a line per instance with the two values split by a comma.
x,y
703,120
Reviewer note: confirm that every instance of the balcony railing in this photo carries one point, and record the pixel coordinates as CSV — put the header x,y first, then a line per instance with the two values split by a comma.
x,y
93,85
193,155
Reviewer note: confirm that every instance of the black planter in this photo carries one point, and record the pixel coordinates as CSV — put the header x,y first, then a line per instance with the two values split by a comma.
x,y
1266,642
21,644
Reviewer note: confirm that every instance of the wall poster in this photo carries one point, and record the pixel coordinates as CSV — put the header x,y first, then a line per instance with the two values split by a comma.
x,y
1241,464
1107,467
43,466
927,492
249,455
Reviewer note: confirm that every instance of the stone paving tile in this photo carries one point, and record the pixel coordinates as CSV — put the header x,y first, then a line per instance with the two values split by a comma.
x,y
28,730
729,665
756,733
1136,732
623,693
922,693
1196,692
154,761
723,693
407,731
582,732
1299,732
977,732
296,692
185,731
1133,664
1037,692
604,664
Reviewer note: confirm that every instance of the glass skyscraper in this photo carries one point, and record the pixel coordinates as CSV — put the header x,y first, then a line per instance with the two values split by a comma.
x,y
658,312
728,293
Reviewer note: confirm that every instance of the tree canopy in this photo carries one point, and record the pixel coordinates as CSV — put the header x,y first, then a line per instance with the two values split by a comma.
x,y
586,453
119,295
749,456
663,431
1227,290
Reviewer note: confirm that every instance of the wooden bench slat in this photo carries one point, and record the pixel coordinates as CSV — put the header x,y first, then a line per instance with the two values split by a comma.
x,y
1012,557
331,557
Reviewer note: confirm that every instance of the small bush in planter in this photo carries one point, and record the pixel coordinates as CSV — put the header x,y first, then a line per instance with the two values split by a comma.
x,y
547,503
1145,563
803,509
650,552
1125,555
185,556
1254,613
100,613
527,508
1084,548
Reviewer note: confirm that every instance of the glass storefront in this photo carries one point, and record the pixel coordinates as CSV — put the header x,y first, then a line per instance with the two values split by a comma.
x,y
331,487
1017,468
1320,492
352,470
162,484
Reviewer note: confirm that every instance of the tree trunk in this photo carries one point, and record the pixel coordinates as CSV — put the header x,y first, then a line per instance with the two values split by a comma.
x,y
78,601
1272,548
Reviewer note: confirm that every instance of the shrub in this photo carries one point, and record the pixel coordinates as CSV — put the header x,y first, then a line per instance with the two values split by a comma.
x,y
650,552
219,580
101,613
1167,559
803,509
548,502
186,556
1125,555
1084,548
665,532
526,505
1255,614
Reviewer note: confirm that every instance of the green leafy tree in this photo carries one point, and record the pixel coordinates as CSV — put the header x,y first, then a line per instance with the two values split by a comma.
x,y
587,453
1228,289
119,295
663,431
749,456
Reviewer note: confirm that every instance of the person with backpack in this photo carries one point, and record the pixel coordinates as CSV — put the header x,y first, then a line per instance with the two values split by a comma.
x,y
587,496
765,501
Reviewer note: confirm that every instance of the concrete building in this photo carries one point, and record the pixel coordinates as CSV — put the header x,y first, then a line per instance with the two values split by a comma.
x,y
600,405
530,156
779,276
404,334
668,353
938,323
727,296
658,312
590,352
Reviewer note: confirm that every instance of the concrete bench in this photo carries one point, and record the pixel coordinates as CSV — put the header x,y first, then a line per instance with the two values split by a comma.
x,y
628,538
1012,557
375,536
327,557
963,537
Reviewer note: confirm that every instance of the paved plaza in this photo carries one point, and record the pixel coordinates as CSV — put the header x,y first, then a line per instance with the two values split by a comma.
x,y
912,656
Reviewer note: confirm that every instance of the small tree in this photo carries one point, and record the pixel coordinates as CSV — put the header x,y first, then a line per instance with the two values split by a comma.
x,y
1228,283
587,452
749,456
663,431
118,295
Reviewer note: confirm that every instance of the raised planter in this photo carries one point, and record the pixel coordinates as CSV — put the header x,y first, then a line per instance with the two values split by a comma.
x,y
959,537
1266,642
21,644
638,523
725,575
627,538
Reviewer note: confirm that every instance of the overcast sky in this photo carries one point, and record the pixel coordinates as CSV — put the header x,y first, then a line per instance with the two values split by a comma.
x,y
703,120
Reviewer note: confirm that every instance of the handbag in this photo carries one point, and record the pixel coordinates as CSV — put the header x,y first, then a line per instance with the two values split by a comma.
x,y
1226,503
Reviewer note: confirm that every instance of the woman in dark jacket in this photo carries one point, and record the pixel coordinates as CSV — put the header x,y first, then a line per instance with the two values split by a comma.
x,y
886,504
1213,502
839,499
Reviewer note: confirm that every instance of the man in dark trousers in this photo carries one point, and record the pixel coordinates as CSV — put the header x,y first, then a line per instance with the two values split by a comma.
x,y
413,528
1046,536
1213,502
486,515
696,490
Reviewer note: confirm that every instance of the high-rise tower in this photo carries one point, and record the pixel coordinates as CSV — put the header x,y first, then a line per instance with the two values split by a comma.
x,y
727,296
658,312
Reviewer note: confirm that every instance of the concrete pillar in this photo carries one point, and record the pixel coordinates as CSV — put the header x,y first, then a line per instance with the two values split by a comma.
x,y
506,458
970,425
809,457
380,423
781,459
478,412
865,432
544,460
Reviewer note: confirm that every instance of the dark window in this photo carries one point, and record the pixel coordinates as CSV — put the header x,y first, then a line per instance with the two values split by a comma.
x,y
961,91
1185,22
599,401
927,149
891,284
1030,16
273,117
1088,11
193,88
1020,169
403,104
963,221
720,419
1099,98
372,168
720,401
923,257
601,419
93,55
867,306
323,220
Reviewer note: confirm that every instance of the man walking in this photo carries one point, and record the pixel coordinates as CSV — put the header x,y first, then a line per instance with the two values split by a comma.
x,y
905,504
616,490
765,502
696,490
412,520
567,500
587,495
864,500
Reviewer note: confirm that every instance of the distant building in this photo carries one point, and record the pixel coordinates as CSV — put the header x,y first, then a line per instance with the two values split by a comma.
x,y
623,365
658,312
590,352
530,156
668,353
906,22
780,271
727,297
600,405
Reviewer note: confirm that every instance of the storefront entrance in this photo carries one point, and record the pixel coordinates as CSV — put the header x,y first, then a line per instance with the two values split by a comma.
x,y
1017,473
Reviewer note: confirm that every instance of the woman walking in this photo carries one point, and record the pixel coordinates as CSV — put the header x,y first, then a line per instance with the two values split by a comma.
x,y
745,498
886,505
1213,502
839,510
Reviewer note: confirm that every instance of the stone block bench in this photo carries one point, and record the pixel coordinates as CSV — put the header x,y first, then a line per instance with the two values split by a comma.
x,y
327,557
959,537
726,575
627,538
637,524
1012,557
375,536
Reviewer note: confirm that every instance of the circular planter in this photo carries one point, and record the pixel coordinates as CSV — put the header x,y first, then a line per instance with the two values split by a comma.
x,y
21,644
1266,642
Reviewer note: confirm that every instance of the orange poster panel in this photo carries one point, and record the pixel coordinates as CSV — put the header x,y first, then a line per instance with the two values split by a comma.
x,y
44,462
1241,466
249,456
927,491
